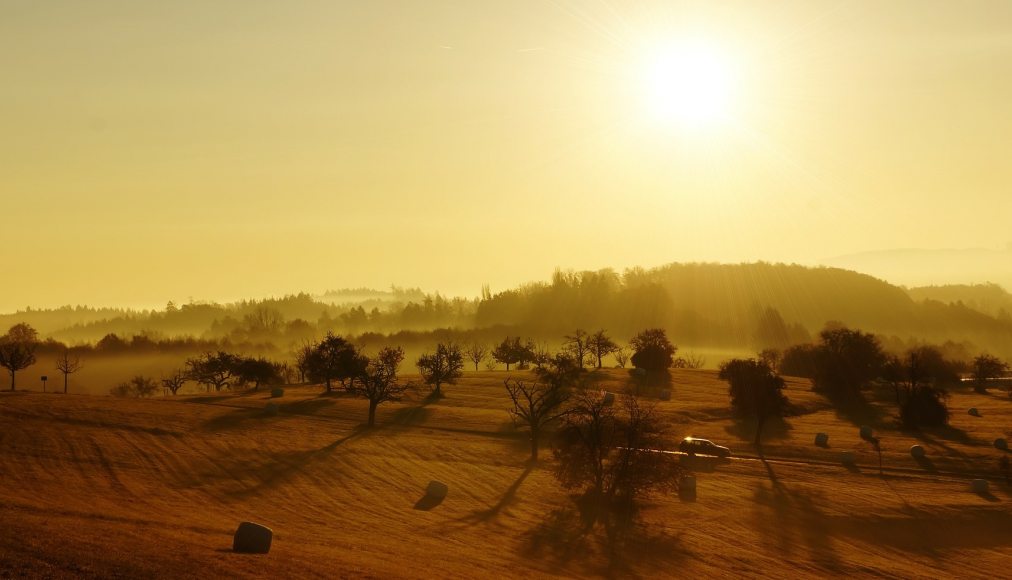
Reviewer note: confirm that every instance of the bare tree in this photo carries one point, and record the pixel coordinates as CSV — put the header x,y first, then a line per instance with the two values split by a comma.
x,y
175,381
218,370
476,353
600,345
622,357
985,368
577,345
443,366
17,349
68,364
535,405
613,454
378,383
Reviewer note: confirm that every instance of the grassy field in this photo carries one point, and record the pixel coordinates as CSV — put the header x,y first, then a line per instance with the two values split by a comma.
x,y
94,486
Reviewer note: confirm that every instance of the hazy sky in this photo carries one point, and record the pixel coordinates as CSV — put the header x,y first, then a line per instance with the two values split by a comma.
x,y
160,150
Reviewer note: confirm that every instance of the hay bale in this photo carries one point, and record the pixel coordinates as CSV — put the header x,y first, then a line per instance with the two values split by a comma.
x,y
609,398
277,392
437,490
917,452
665,395
822,439
271,410
848,458
980,486
974,412
1001,443
252,538
867,432
639,372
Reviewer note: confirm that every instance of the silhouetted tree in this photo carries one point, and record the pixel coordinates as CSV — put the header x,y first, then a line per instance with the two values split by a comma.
x,y
378,382
535,405
771,357
175,381
259,371
756,391
622,357
846,360
334,358
578,346
612,455
508,352
799,361
139,386
445,365
985,368
218,370
476,353
601,345
652,350
17,349
68,364
924,406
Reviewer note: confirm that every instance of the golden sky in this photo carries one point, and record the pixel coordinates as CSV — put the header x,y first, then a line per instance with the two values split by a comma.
x,y
218,150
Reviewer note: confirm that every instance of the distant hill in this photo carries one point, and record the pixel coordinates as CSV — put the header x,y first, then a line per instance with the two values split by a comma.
x,y
747,306
990,299
925,267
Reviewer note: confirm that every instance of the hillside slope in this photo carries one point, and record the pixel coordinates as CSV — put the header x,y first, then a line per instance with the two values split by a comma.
x,y
98,487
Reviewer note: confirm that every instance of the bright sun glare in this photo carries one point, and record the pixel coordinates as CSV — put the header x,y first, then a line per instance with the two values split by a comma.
x,y
691,85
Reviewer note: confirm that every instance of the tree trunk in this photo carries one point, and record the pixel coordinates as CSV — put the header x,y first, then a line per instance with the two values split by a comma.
x,y
534,445
758,433
328,384
372,413
12,380
64,383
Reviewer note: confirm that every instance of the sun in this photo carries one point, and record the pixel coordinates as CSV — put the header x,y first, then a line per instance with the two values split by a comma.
x,y
691,85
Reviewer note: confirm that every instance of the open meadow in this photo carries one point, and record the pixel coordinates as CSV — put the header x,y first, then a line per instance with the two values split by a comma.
x,y
100,487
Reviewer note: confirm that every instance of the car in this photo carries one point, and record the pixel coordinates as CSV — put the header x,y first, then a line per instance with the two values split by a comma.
x,y
695,446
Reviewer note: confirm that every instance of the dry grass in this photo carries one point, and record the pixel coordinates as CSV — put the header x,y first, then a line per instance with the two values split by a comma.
x,y
100,487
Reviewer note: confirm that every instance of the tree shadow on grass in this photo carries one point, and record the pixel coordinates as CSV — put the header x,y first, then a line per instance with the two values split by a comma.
x,y
858,411
278,468
306,407
507,498
744,429
788,518
624,544
231,419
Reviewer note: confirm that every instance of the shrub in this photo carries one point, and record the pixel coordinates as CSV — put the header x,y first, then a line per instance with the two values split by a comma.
x,y
277,392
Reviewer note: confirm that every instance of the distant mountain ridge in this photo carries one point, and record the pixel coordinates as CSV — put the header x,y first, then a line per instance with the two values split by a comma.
x,y
932,267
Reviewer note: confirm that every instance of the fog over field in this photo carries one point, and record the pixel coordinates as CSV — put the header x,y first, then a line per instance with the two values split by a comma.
x,y
442,289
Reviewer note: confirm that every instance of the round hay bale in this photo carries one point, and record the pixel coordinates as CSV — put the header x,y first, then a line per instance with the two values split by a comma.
x,y
974,412
277,392
1001,443
252,538
639,372
867,432
271,410
980,486
665,395
848,458
437,489
917,452
822,439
